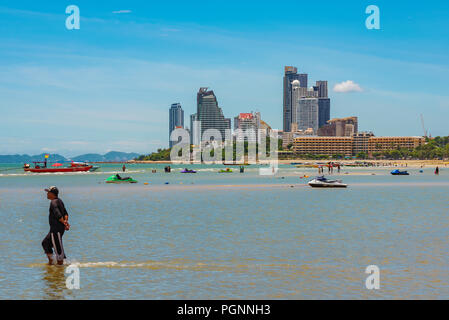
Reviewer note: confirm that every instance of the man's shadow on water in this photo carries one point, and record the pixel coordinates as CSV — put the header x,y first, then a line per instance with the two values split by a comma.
x,y
55,283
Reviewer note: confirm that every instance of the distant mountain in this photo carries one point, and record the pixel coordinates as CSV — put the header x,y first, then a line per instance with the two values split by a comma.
x,y
89,157
113,156
24,158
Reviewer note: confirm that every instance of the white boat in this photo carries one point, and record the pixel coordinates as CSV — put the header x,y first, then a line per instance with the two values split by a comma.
x,y
322,182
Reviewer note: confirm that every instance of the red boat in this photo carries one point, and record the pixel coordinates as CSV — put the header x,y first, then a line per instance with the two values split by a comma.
x,y
41,167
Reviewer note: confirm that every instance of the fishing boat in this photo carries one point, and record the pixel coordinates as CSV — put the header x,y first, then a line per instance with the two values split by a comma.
x,y
322,182
398,172
42,167
116,178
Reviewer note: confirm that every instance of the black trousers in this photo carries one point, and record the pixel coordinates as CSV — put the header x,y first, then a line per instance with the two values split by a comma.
x,y
54,240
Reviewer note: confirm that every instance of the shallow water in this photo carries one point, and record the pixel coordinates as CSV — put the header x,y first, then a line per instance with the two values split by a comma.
x,y
239,236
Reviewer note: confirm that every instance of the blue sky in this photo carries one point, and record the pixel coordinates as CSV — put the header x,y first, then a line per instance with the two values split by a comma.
x,y
108,86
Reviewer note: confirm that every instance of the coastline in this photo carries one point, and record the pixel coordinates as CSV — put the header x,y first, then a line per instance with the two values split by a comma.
x,y
380,163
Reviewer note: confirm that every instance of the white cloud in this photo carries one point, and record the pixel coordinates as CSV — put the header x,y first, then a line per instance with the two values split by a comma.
x,y
347,86
121,11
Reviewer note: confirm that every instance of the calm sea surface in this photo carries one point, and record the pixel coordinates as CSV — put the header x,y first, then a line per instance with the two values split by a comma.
x,y
229,236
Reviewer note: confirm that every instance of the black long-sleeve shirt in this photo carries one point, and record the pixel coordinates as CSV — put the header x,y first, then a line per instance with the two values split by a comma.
x,y
57,211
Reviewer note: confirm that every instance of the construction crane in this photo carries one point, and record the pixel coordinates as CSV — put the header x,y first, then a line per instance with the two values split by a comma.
x,y
423,126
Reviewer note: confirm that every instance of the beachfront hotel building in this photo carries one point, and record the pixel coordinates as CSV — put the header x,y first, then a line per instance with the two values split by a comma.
x,y
351,146
289,137
176,120
361,142
380,144
323,145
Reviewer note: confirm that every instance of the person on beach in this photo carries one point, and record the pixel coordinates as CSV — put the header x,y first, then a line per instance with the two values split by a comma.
x,y
59,223
437,170
124,168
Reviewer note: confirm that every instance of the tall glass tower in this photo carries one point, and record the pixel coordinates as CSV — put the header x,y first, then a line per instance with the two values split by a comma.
x,y
324,111
210,114
291,74
176,120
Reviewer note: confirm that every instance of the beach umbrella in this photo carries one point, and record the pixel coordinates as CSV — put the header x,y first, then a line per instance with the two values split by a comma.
x,y
57,165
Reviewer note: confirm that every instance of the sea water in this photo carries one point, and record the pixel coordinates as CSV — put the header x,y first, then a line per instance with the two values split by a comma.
x,y
215,235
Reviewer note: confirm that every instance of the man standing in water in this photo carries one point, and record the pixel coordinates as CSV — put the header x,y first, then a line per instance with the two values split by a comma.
x,y
58,220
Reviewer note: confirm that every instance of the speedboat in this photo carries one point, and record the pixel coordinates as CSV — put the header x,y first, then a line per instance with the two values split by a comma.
x,y
398,172
116,178
188,171
322,182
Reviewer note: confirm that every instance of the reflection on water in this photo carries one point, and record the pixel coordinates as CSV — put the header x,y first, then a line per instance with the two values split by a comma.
x,y
54,283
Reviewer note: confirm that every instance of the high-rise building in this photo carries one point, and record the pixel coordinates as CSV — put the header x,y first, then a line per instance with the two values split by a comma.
x,y
322,89
344,127
324,111
291,74
194,130
176,120
210,114
307,114
249,125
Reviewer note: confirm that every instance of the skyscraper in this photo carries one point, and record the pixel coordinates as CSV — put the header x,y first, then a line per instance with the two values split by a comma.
x,y
290,74
210,114
194,130
322,89
176,120
324,111
307,114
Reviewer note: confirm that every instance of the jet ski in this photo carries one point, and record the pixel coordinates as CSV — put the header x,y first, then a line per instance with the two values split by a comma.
x,y
188,171
116,178
398,172
322,182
